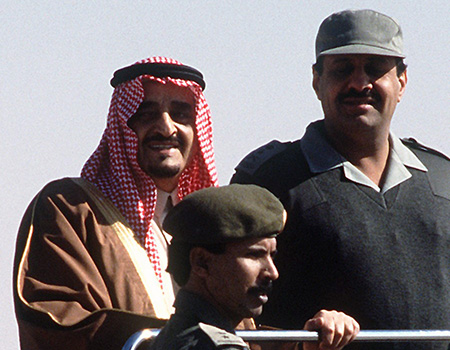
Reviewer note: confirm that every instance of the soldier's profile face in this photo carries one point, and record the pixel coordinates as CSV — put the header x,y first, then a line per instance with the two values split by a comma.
x,y
240,279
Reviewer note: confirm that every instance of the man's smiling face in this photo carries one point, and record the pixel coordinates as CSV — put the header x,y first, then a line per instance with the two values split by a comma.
x,y
358,92
165,127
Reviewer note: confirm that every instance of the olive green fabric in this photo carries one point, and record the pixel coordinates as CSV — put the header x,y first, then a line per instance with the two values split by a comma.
x,y
224,214
359,32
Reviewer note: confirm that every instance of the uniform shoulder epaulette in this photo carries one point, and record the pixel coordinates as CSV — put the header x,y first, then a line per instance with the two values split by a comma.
x,y
222,338
411,142
260,155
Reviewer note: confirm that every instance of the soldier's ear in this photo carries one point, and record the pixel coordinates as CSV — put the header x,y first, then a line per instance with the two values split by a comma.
x,y
199,259
316,83
403,79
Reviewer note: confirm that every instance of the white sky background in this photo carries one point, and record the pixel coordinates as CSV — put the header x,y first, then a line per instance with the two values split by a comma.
x,y
57,58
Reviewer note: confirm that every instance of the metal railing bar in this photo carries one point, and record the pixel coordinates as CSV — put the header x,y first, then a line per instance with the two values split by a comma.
x,y
138,338
365,335
299,335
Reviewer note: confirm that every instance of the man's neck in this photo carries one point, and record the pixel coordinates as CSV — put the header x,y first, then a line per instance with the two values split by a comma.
x,y
201,291
164,202
166,184
369,153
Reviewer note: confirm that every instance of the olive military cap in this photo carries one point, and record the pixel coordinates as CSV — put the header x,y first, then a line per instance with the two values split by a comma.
x,y
359,32
224,214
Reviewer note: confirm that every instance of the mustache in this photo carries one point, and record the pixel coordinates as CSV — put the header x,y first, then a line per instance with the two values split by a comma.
x,y
161,138
352,93
264,288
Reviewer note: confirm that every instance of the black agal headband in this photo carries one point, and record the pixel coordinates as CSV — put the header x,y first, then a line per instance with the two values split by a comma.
x,y
159,70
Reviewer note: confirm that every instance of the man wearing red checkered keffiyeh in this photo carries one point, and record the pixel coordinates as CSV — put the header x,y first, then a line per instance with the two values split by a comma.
x,y
91,255
114,167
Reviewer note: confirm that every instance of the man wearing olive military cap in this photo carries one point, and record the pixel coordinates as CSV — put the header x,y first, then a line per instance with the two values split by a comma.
x,y
368,228
223,243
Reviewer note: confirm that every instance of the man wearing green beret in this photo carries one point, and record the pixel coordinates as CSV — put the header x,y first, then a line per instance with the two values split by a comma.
x,y
221,253
368,229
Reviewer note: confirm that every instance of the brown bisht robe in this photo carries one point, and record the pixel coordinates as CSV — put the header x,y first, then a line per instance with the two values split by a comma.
x,y
81,279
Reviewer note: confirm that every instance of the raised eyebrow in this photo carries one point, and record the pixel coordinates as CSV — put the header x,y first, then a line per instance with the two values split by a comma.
x,y
378,59
256,249
340,59
147,104
262,250
182,104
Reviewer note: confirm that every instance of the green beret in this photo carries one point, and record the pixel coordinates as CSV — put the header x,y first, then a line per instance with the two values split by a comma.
x,y
224,214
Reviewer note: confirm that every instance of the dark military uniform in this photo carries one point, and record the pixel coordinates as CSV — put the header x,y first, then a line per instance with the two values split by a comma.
x,y
381,257
196,325
211,216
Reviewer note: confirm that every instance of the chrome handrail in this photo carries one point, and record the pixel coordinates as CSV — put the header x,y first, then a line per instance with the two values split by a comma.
x,y
400,335
363,336
139,337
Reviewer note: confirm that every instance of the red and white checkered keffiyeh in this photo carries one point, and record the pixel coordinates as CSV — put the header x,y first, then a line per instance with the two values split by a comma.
x,y
114,168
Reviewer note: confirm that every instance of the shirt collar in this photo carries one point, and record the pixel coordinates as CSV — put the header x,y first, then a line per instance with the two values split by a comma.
x,y
322,157
319,154
404,154
161,207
